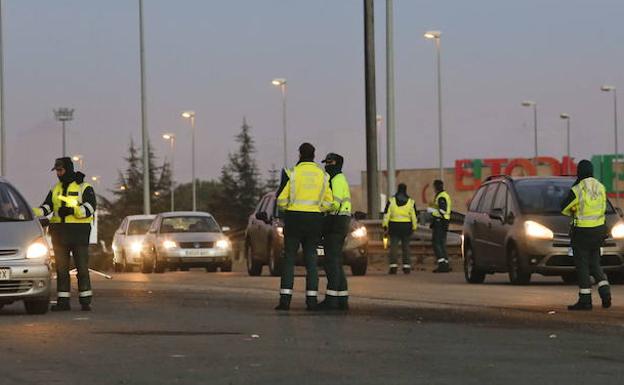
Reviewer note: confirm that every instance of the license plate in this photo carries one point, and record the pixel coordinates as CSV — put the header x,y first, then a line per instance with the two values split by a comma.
x,y
320,251
570,252
5,274
197,253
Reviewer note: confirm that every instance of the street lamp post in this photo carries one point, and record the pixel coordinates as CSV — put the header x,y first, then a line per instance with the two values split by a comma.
x,y
80,159
191,116
64,114
3,167
171,139
144,130
390,126
607,88
530,103
567,118
435,35
282,84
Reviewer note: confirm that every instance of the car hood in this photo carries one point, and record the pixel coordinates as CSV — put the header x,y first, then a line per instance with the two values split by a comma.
x,y
18,235
560,224
192,237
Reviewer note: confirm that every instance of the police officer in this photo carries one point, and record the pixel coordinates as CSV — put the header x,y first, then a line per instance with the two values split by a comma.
x,y
400,222
72,205
304,196
586,204
441,212
335,229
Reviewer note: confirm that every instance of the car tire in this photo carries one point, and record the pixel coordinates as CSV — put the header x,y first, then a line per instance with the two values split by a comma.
x,y
118,267
570,278
147,267
226,267
39,306
275,261
211,268
159,267
359,267
517,272
472,274
254,267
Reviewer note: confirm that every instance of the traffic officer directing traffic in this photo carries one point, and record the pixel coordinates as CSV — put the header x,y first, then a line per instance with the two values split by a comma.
x,y
586,204
400,222
441,212
304,196
335,229
72,205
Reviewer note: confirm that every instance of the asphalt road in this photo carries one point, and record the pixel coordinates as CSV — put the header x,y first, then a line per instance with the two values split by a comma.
x,y
220,328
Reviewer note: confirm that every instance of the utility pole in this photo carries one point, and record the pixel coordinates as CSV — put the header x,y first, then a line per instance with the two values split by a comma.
x,y
3,157
390,127
372,175
144,133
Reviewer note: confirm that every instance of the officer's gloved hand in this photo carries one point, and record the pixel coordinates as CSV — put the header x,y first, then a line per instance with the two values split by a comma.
x,y
65,211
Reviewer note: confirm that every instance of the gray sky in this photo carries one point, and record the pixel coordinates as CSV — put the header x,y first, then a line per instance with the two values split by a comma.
x,y
218,58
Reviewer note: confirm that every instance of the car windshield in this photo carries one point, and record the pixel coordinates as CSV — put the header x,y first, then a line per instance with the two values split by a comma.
x,y
12,206
190,224
544,196
139,226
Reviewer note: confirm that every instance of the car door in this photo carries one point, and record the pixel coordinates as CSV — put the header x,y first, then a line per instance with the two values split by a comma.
x,y
255,235
499,227
118,240
481,224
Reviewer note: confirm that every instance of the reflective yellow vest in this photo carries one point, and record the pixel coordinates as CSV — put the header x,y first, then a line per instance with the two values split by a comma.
x,y
72,199
446,214
307,189
342,195
589,204
396,213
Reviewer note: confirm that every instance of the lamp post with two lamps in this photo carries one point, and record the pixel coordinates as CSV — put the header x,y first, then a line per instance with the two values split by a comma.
x,y
171,138
190,115
530,103
436,35
281,83
64,114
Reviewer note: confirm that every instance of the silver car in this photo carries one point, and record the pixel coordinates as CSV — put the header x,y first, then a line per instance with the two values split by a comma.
x,y
24,253
184,240
128,241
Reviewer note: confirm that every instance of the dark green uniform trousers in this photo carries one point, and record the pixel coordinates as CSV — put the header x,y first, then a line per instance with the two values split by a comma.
x,y
400,233
80,254
305,229
586,244
439,229
335,230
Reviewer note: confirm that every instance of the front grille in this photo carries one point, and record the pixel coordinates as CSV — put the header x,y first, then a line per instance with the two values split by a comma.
x,y
15,287
196,245
4,252
560,260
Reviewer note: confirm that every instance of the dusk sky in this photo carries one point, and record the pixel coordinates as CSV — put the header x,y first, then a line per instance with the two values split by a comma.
x,y
218,58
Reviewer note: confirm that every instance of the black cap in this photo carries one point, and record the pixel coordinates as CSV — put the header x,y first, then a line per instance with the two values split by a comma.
x,y
333,156
65,163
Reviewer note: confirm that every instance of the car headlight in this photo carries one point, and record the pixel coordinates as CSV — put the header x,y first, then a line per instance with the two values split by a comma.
x,y
360,232
169,244
136,247
535,230
617,232
223,244
38,249
280,231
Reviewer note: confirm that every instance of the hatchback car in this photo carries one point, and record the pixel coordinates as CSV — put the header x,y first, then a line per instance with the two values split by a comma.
x,y
264,242
514,225
128,241
24,253
184,240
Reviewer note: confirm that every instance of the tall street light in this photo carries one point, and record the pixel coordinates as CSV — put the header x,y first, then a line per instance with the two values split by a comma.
x,y
80,159
567,118
282,84
171,138
435,35
64,114
530,103
607,88
390,127
144,131
2,126
190,115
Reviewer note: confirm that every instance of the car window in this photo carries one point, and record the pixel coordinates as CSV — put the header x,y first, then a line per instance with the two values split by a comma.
x,y
139,226
542,196
488,198
500,202
474,203
12,206
189,224
122,226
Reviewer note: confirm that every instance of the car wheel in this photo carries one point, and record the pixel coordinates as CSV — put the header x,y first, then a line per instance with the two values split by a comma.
x,y
471,271
126,266
159,266
118,267
211,268
254,267
569,278
359,267
147,266
275,261
37,306
517,272
226,267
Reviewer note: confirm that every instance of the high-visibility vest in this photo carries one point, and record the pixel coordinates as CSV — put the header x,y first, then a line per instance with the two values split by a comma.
x,y
307,189
396,213
83,211
446,214
342,195
590,203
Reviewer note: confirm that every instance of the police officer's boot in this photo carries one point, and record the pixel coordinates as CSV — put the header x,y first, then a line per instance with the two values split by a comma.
x,y
312,304
584,303
407,269
393,270
443,267
62,304
329,303
605,293
343,303
284,302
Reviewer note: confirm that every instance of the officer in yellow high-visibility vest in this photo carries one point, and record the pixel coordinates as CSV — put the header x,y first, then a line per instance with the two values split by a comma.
x,y
304,197
586,204
400,222
335,229
72,204
441,213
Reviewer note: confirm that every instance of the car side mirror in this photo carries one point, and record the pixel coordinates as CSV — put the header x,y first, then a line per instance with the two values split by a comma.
x,y
497,214
262,216
44,221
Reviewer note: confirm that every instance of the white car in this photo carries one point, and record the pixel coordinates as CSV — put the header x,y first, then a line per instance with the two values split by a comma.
x,y
128,241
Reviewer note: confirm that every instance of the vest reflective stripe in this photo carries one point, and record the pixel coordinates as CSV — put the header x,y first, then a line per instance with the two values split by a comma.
x,y
74,191
308,190
592,203
446,214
